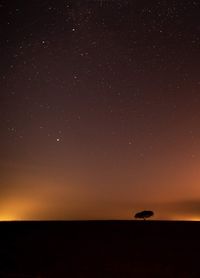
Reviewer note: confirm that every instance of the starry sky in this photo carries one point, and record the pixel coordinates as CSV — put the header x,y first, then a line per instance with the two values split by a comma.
x,y
100,109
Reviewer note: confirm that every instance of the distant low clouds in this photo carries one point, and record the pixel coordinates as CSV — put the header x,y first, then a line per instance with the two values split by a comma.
x,y
183,209
189,206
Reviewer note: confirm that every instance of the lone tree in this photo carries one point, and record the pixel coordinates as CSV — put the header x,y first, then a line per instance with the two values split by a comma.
x,y
144,214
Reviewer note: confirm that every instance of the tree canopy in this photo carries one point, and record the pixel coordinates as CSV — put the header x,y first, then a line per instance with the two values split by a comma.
x,y
144,214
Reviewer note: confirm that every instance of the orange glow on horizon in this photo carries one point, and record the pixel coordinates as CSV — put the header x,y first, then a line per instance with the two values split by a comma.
x,y
8,217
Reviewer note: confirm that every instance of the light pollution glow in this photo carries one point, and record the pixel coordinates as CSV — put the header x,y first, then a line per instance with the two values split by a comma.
x,y
39,197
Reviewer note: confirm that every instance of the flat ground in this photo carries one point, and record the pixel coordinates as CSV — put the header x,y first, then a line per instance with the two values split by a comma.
x,y
100,249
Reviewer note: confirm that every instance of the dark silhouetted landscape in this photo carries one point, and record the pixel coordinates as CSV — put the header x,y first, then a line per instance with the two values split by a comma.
x,y
100,249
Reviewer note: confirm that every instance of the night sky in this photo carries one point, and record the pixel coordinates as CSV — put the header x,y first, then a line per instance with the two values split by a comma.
x,y
100,109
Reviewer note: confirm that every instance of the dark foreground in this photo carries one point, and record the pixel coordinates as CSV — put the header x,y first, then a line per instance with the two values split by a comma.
x,y
100,249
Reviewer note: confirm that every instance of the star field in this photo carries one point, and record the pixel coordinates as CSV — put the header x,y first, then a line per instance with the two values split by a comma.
x,y
100,108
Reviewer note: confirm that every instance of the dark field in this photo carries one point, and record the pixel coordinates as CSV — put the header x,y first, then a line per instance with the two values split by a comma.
x,y
100,249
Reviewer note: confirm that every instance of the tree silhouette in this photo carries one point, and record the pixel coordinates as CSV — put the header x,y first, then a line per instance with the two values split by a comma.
x,y
144,214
